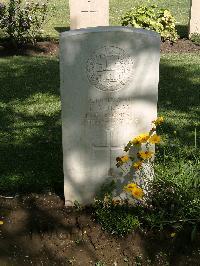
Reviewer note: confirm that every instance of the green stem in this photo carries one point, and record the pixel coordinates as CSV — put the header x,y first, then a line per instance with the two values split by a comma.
x,y
122,169
195,138
183,220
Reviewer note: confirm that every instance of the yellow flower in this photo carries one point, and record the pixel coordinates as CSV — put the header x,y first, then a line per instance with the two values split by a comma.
x,y
154,139
1,222
137,165
142,138
145,154
137,192
125,158
136,141
122,160
129,187
158,121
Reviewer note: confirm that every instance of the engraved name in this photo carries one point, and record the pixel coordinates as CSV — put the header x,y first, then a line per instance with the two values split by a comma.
x,y
109,112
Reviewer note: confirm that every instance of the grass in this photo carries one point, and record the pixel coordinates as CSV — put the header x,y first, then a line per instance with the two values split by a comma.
x,y
59,19
179,96
30,125
30,132
180,9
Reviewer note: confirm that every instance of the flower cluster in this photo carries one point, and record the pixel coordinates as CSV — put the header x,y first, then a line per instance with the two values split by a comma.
x,y
123,159
137,165
136,191
151,137
144,155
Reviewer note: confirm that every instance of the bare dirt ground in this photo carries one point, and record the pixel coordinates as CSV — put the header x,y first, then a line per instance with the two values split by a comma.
x,y
181,46
40,230
52,48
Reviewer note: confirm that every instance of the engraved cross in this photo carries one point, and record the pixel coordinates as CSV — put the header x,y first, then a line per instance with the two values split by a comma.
x,y
109,148
89,9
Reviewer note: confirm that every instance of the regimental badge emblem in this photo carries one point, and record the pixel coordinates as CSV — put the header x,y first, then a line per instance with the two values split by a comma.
x,y
109,68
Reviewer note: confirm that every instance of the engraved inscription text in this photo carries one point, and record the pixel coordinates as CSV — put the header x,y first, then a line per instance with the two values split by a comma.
x,y
109,112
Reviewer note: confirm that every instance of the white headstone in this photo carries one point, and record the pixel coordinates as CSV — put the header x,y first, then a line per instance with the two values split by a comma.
x,y
85,13
195,17
109,91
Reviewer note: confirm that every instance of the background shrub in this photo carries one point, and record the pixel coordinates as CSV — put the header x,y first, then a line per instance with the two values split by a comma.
x,y
21,21
152,18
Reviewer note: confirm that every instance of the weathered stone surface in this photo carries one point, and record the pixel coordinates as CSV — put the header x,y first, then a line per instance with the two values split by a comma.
x,y
109,91
84,13
195,17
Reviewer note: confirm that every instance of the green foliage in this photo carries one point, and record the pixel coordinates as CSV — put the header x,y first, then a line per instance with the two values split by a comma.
x,y
31,131
22,22
173,202
152,18
59,19
106,188
172,198
195,38
115,218
175,196
30,125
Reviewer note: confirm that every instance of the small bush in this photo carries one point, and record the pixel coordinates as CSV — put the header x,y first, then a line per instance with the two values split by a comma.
x,y
152,18
175,192
171,199
174,202
22,22
114,218
195,38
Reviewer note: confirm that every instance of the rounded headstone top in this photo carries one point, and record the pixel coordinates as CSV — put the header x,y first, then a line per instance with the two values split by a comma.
x,y
100,29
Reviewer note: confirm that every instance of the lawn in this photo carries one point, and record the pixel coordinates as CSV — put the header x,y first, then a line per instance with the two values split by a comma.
x,y
180,9
31,152
59,19
30,131
179,95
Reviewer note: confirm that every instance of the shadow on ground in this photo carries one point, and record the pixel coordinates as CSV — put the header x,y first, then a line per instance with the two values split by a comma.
x,y
30,123
31,151
62,29
38,230
182,30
